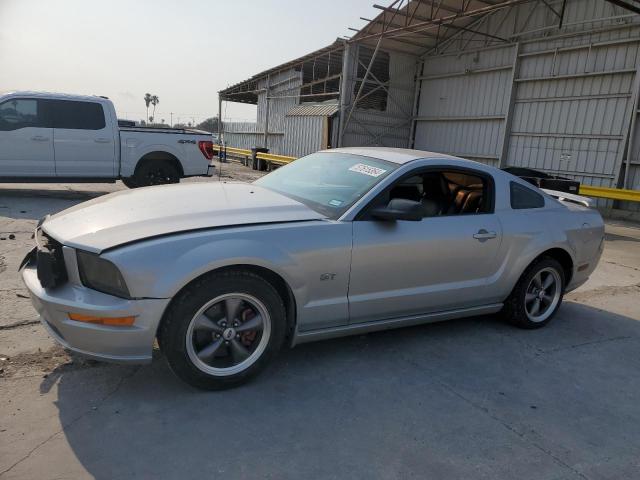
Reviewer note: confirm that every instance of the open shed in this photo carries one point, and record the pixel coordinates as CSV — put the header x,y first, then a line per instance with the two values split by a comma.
x,y
545,84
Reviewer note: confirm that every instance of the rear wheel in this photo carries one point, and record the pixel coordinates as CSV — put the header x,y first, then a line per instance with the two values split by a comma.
x,y
537,296
156,172
223,329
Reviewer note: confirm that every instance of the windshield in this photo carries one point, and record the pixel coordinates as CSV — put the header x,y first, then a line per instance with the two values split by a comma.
x,y
328,182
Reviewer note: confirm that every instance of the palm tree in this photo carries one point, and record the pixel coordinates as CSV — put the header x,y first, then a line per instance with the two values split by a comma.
x,y
147,102
154,101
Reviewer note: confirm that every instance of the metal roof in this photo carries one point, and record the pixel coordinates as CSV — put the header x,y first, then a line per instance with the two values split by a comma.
x,y
247,90
310,110
418,27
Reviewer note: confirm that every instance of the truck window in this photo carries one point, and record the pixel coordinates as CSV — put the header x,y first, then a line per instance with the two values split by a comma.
x,y
77,115
20,113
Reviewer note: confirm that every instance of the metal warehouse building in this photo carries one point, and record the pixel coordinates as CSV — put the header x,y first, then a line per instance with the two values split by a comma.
x,y
545,84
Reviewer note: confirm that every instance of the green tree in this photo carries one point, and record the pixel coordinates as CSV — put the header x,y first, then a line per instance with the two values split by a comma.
x,y
208,125
154,101
147,102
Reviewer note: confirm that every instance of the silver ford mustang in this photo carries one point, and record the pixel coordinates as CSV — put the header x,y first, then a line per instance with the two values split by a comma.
x,y
340,242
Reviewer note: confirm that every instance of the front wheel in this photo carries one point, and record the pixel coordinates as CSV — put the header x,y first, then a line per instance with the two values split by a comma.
x,y
129,182
223,329
537,296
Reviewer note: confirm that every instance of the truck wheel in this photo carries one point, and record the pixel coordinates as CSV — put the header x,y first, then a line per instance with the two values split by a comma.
x,y
129,182
156,172
537,296
223,329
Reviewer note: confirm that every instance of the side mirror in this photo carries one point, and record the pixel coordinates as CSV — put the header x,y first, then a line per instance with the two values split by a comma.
x,y
399,209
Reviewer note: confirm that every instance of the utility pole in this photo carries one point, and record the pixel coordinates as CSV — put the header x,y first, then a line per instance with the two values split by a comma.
x,y
219,118
171,119
265,142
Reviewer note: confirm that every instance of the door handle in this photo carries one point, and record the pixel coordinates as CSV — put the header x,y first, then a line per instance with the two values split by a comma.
x,y
102,140
40,138
484,235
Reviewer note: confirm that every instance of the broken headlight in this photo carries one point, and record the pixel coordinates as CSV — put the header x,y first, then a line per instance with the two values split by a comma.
x,y
101,275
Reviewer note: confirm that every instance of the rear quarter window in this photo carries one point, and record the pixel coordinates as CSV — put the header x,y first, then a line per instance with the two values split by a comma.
x,y
524,197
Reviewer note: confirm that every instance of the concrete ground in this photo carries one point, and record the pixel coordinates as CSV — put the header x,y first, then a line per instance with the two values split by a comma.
x,y
471,398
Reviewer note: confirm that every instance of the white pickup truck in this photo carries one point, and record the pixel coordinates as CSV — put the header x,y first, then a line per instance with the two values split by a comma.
x,y
48,137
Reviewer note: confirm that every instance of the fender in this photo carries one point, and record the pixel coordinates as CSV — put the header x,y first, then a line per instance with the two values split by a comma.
x,y
520,249
200,254
131,154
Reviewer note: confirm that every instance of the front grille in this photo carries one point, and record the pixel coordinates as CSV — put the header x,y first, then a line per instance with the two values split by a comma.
x,y
52,271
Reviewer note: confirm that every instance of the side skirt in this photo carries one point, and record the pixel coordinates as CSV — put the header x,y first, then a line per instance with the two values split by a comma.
x,y
57,180
366,327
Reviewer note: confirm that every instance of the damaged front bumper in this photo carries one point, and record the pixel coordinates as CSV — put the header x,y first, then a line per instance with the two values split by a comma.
x,y
129,344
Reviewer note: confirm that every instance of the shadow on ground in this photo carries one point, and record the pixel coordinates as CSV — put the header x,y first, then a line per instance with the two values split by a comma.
x,y
473,398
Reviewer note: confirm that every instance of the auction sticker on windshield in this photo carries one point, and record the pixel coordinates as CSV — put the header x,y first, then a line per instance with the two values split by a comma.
x,y
367,170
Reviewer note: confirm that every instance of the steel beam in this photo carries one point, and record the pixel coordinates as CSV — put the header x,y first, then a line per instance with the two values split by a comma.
x,y
577,75
466,72
363,81
477,32
396,25
266,114
399,40
508,120
627,5
446,8
445,20
468,118
344,96
629,133
416,104
586,136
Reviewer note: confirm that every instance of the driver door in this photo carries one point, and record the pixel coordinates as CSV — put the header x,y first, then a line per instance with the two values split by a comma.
x,y
26,139
442,262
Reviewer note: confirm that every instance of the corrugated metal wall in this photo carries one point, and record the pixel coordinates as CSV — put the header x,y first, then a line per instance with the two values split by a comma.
x,y
303,135
392,127
295,136
571,96
284,85
248,135
462,112
573,103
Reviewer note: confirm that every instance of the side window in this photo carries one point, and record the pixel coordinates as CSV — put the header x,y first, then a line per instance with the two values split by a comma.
x,y
20,113
77,115
456,192
523,197
442,193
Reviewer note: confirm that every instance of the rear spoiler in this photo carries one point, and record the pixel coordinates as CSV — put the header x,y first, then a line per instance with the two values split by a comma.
x,y
570,197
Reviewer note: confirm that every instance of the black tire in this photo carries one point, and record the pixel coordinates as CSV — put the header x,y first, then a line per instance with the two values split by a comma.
x,y
156,172
518,306
174,334
129,182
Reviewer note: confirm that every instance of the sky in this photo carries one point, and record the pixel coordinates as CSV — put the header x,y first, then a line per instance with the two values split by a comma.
x,y
182,51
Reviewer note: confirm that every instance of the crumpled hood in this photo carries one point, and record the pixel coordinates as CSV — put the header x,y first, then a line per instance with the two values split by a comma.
x,y
131,215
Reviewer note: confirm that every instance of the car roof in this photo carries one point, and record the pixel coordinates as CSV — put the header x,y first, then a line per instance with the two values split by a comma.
x,y
396,155
54,95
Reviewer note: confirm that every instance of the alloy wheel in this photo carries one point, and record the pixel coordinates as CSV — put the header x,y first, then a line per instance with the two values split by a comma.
x,y
543,294
228,334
